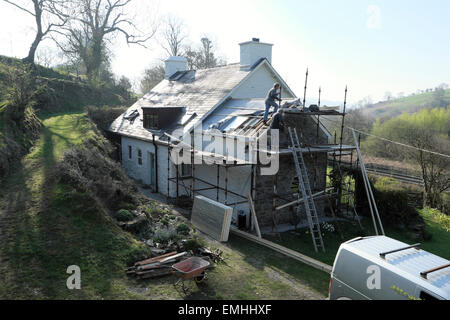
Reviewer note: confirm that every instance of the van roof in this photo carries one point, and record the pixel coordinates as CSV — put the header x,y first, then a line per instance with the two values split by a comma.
x,y
410,263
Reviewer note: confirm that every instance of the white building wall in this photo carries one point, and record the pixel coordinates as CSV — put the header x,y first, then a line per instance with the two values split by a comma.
x,y
239,178
143,172
239,181
257,85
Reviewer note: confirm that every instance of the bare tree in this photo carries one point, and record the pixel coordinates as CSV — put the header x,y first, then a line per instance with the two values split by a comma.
x,y
435,168
204,57
46,56
152,76
174,34
207,58
95,24
48,15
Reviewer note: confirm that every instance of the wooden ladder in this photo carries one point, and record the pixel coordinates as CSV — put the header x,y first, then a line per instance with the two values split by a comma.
x,y
305,188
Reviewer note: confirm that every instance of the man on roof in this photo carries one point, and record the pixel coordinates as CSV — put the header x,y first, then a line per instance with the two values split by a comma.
x,y
273,95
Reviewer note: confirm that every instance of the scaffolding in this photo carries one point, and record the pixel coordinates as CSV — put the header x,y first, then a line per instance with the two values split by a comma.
x,y
193,184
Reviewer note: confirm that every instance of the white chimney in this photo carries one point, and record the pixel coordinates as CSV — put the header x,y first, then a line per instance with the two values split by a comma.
x,y
174,64
252,51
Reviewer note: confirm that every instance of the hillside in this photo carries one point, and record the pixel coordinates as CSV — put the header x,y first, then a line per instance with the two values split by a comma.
x,y
26,92
410,104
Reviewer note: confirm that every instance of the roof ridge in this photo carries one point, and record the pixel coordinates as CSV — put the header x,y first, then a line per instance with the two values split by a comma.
x,y
218,67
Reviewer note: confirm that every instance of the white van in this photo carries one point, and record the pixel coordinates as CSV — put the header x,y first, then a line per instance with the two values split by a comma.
x,y
381,268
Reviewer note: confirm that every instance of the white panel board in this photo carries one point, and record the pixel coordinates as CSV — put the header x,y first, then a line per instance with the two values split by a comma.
x,y
212,218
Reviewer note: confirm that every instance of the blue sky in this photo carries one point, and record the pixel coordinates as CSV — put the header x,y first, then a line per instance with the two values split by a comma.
x,y
371,46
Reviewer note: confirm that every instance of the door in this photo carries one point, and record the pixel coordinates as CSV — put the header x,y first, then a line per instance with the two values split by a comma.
x,y
152,167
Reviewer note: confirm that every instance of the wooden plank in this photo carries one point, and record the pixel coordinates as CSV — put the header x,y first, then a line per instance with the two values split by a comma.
x,y
285,251
252,210
170,259
177,256
155,273
155,259
212,218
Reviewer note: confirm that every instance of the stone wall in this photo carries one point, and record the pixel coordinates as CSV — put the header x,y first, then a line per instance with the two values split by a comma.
x,y
316,166
306,127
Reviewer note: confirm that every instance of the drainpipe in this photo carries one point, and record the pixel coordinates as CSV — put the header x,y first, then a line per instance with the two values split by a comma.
x,y
156,163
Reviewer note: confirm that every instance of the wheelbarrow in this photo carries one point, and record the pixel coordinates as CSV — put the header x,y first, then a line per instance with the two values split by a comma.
x,y
192,269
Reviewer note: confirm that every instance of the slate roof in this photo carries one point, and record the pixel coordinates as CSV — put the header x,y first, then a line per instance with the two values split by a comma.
x,y
198,91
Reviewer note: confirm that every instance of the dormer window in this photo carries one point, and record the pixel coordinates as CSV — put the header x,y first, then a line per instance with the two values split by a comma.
x,y
151,121
161,117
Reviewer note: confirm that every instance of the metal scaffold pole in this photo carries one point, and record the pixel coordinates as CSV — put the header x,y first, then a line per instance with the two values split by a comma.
x,y
372,203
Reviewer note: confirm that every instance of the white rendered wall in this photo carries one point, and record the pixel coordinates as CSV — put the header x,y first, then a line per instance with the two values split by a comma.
x,y
257,85
239,181
142,172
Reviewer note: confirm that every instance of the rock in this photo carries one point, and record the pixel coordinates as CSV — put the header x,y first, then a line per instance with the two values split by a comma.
x,y
137,226
157,251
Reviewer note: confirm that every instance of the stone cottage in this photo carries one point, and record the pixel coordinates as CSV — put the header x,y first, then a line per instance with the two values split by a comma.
x,y
225,102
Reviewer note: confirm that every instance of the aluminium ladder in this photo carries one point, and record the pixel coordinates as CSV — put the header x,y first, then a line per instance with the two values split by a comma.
x,y
305,188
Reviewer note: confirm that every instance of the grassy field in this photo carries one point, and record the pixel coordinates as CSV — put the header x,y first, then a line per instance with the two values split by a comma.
x,y
410,104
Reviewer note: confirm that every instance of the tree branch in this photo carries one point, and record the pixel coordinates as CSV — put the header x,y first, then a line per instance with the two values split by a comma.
x,y
21,8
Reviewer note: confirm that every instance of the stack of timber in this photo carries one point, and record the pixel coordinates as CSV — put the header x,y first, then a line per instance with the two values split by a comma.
x,y
155,267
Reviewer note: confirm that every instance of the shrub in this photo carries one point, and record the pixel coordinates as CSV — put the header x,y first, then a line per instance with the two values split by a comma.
x,y
194,244
165,234
183,229
437,217
165,220
90,170
104,116
127,206
123,215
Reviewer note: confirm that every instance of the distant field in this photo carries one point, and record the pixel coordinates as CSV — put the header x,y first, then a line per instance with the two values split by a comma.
x,y
411,104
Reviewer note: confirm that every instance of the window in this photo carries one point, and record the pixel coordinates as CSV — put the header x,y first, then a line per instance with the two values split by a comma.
x,y
151,121
186,170
140,157
130,152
